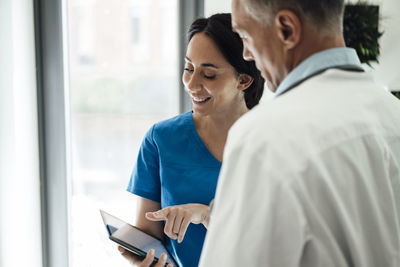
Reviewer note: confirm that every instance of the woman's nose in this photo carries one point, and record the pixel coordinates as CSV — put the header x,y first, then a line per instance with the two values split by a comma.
x,y
193,84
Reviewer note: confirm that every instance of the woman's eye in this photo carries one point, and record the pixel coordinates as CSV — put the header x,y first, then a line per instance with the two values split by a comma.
x,y
210,77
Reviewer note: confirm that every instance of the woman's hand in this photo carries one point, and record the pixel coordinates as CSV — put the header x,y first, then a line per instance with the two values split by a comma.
x,y
146,262
179,217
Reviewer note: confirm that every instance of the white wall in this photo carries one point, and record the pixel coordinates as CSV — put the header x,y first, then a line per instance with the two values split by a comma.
x,y
6,122
216,6
20,229
387,71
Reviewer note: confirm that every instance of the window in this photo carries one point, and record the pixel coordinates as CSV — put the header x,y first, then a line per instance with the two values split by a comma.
x,y
124,77
136,30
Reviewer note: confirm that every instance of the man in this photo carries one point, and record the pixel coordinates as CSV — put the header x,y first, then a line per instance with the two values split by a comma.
x,y
312,177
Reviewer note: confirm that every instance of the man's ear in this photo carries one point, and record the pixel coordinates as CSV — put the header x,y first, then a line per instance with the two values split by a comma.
x,y
289,28
245,81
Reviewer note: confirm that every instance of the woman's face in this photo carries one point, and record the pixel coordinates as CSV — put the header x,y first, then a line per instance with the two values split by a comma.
x,y
210,80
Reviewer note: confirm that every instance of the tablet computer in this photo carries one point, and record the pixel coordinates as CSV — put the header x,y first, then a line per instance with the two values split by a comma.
x,y
133,239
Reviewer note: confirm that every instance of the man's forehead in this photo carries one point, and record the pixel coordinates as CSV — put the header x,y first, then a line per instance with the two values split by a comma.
x,y
238,14
238,5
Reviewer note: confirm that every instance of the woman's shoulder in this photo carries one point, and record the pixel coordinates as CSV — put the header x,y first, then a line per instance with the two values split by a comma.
x,y
174,126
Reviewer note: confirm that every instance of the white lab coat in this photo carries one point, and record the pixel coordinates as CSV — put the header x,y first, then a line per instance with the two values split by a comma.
x,y
311,178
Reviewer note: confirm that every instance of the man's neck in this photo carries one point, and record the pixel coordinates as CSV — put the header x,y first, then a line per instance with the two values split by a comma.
x,y
313,42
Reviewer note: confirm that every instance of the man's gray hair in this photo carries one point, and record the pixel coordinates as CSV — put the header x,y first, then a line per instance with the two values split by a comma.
x,y
323,14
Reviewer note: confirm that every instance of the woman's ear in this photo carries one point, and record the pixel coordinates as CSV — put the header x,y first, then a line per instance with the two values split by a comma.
x,y
245,81
289,28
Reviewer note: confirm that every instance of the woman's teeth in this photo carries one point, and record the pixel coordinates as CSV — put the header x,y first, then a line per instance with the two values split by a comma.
x,y
197,99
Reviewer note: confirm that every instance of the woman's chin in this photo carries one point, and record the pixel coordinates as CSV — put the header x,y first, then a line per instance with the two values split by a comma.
x,y
202,108
200,111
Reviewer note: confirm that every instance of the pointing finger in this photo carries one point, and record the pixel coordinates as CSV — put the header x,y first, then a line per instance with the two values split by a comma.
x,y
159,215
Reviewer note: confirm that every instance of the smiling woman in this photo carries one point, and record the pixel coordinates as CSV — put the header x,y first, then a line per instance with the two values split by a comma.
x,y
179,161
209,80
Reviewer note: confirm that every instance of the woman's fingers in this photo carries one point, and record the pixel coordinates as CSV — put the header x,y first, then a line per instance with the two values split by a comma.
x,y
161,261
159,215
169,215
128,255
179,217
148,260
136,260
178,221
183,228
169,225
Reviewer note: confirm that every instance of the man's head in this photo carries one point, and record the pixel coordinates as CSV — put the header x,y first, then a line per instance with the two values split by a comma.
x,y
279,34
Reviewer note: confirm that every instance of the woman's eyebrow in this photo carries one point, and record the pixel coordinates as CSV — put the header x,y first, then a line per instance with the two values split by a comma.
x,y
209,65
203,64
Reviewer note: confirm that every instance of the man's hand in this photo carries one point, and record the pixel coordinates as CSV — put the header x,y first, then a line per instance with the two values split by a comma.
x,y
146,262
179,217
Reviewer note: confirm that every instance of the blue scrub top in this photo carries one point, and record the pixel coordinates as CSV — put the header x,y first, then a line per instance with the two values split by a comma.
x,y
174,167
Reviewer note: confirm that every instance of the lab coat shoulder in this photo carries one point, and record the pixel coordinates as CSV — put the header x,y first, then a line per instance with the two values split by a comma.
x,y
321,112
270,133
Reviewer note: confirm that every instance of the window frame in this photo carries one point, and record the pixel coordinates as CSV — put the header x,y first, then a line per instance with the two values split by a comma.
x,y
189,10
52,82
53,118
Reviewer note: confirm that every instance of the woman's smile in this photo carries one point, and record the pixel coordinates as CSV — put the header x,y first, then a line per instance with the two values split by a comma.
x,y
200,100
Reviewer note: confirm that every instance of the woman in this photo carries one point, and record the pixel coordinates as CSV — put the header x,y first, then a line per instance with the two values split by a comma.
x,y
180,158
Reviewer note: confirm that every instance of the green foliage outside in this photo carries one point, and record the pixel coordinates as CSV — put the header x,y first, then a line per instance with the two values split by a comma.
x,y
360,30
396,94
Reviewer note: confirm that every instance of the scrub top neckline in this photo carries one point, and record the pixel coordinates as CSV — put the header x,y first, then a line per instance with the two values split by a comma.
x,y
200,142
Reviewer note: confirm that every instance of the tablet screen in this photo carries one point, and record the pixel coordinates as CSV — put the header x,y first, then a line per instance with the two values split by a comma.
x,y
133,238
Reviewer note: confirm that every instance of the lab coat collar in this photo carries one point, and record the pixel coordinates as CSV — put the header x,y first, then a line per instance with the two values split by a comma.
x,y
340,57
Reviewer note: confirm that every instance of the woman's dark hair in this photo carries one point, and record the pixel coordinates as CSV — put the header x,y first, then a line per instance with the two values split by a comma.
x,y
219,28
